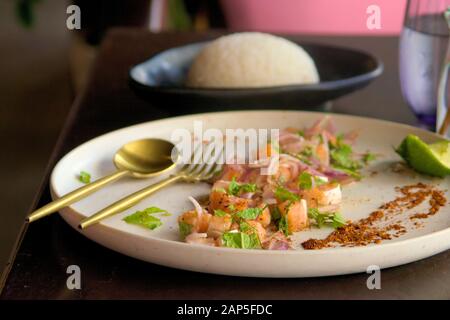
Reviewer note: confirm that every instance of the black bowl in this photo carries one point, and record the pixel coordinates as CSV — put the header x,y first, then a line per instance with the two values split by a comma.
x,y
161,80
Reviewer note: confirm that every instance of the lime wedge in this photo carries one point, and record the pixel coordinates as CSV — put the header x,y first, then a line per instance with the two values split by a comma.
x,y
432,159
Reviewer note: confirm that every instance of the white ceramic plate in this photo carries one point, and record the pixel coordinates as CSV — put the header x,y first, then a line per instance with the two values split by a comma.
x,y
162,245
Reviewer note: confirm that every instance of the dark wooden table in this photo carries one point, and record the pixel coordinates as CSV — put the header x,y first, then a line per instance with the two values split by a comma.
x,y
39,262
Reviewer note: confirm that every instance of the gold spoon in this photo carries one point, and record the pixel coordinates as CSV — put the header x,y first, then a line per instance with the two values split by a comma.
x,y
192,171
140,159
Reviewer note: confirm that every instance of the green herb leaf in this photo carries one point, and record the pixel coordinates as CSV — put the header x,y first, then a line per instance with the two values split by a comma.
x,y
250,241
246,227
241,240
249,213
354,174
145,218
320,181
283,194
275,213
305,181
248,187
220,213
235,188
84,177
283,225
341,157
331,219
246,239
302,157
339,140
368,157
321,140
318,217
232,239
185,229
152,210
313,213
307,152
338,221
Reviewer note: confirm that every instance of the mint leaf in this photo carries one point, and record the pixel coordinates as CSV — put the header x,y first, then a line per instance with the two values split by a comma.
x,y
313,213
341,157
250,213
352,173
339,140
220,213
235,188
303,156
84,177
338,221
250,241
246,227
320,181
342,154
283,225
152,210
305,181
145,218
248,187
368,157
232,239
283,194
185,229
241,240
331,219
307,152
275,213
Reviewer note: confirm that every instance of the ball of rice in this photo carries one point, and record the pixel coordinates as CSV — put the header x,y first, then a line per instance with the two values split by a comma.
x,y
251,59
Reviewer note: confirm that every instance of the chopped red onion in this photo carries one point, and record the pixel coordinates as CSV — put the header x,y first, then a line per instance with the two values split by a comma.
x,y
197,206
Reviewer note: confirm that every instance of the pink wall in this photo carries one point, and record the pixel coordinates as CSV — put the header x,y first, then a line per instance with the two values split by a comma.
x,y
313,16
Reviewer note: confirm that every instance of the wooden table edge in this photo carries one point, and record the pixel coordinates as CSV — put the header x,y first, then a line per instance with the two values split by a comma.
x,y
54,156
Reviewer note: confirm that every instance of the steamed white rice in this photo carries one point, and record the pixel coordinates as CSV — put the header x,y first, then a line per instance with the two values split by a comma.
x,y
251,59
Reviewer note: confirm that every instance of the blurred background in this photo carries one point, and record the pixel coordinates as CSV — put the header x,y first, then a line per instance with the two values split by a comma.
x,y
44,66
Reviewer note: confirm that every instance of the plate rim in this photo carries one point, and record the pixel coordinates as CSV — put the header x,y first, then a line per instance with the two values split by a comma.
x,y
338,250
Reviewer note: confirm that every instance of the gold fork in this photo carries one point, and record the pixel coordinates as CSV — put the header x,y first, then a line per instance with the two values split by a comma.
x,y
196,171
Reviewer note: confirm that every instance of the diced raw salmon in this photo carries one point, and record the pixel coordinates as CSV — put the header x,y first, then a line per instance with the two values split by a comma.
x,y
198,225
219,200
264,217
259,229
219,225
232,171
324,195
323,152
296,214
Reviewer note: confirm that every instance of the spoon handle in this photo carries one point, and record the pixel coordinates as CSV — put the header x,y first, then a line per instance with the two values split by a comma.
x,y
127,202
74,196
